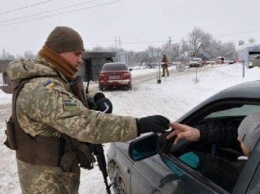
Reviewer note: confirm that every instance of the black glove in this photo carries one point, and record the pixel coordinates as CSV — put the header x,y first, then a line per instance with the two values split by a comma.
x,y
156,124
91,104
103,104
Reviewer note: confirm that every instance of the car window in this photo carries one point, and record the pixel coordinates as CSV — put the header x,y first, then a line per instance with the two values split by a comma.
x,y
195,59
113,67
217,170
221,172
236,111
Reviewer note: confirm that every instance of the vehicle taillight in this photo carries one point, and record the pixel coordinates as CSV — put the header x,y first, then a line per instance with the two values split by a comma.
x,y
126,76
102,76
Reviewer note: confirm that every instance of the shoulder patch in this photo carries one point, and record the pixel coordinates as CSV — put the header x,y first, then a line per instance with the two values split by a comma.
x,y
48,84
70,105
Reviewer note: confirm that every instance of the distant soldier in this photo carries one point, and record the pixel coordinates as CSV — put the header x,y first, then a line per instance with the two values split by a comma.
x,y
222,60
49,127
165,63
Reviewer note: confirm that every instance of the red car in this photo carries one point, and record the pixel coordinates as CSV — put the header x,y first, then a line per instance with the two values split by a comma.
x,y
115,75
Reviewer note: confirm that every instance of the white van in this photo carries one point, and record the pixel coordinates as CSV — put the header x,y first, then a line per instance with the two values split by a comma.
x,y
196,62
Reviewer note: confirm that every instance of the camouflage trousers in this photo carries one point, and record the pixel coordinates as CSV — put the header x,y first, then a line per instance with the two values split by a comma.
x,y
165,71
47,180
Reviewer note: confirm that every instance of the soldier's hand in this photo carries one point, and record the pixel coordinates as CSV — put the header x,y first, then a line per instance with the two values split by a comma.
x,y
103,104
155,123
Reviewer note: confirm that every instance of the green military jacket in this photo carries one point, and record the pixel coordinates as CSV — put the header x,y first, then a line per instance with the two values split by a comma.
x,y
46,107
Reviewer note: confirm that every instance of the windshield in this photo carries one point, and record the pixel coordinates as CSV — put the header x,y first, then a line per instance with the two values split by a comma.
x,y
236,111
109,67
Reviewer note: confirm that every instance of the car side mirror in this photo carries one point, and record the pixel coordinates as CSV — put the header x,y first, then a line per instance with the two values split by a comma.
x,y
144,147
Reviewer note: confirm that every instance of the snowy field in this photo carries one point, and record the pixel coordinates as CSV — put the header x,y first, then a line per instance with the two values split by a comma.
x,y
176,94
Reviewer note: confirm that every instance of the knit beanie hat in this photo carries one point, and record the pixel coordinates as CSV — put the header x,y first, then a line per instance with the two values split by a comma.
x,y
64,39
249,130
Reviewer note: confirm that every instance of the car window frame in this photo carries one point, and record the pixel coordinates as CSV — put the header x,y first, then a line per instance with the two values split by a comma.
x,y
191,118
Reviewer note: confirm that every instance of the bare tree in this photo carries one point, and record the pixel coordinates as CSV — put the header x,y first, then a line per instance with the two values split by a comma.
x,y
28,55
241,42
8,56
195,39
98,49
175,51
251,40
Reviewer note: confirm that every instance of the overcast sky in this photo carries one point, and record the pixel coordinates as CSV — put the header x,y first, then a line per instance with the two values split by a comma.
x,y
24,25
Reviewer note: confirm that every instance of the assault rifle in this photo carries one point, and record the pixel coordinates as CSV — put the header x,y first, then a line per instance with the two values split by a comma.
x,y
99,153
97,149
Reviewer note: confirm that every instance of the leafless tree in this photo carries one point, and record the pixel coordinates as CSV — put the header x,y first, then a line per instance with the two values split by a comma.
x,y
196,39
28,55
251,40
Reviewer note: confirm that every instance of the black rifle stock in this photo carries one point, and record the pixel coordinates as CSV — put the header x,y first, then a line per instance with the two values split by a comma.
x,y
99,153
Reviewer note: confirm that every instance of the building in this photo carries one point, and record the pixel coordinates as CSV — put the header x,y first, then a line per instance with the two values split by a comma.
x,y
248,52
5,80
92,64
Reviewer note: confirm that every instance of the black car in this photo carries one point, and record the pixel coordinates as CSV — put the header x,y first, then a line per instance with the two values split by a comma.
x,y
150,164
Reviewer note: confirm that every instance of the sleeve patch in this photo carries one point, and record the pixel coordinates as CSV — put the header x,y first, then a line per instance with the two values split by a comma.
x,y
69,105
49,84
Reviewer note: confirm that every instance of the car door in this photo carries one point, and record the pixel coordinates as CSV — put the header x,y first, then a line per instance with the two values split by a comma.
x,y
164,173
160,174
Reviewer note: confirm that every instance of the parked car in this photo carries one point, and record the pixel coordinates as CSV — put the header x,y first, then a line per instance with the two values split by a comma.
x,y
152,164
115,75
196,62
220,60
230,61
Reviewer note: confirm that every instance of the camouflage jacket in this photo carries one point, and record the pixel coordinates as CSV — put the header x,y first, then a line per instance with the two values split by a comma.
x,y
45,107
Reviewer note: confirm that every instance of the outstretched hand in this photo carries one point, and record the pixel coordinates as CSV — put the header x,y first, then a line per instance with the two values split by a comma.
x,y
183,131
154,123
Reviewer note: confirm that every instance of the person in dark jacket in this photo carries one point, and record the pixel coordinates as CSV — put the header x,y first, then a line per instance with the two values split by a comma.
x,y
242,139
165,63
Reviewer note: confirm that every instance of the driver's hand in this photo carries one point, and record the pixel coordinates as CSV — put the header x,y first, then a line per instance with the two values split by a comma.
x,y
183,131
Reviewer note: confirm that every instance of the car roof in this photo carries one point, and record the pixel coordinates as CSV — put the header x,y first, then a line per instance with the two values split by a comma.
x,y
247,90
244,90
115,63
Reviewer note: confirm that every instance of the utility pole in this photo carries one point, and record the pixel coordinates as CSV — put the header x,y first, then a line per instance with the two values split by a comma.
x,y
115,43
4,54
118,42
170,47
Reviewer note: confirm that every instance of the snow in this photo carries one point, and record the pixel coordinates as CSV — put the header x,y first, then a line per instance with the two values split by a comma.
x,y
173,97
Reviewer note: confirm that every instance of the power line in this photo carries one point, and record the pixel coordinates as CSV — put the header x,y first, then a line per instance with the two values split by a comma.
x,y
25,7
58,9
145,42
62,13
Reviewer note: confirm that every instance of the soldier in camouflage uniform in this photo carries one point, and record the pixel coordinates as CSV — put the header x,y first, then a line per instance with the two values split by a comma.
x,y
46,107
